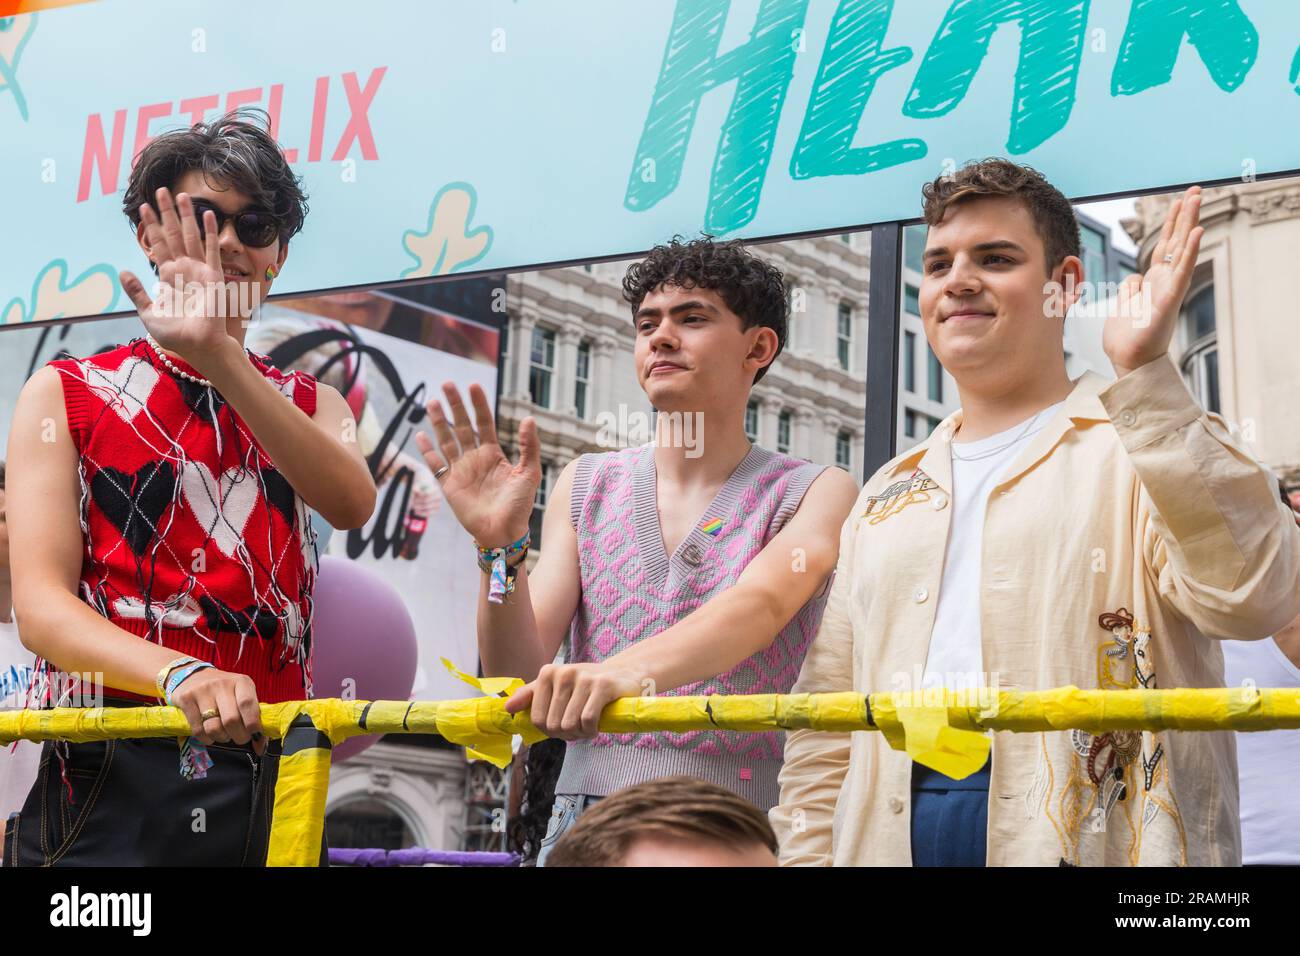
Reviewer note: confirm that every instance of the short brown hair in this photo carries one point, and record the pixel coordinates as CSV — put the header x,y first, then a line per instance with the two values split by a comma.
x,y
2,475
1052,213
676,808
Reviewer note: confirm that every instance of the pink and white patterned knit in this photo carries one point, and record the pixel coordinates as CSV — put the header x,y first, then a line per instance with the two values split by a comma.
x,y
632,589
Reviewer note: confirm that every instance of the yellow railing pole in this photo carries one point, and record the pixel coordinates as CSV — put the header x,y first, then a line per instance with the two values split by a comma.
x,y
301,791
940,727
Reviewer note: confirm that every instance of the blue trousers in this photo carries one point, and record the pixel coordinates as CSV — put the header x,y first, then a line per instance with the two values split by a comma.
x,y
950,818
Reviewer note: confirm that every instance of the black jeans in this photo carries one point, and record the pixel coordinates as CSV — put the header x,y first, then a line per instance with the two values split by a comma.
x,y
129,806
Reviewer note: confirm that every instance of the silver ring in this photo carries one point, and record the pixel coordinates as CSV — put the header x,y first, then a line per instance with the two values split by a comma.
x,y
441,471
1169,258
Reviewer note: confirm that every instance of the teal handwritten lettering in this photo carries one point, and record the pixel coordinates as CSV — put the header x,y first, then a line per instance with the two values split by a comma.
x,y
1051,49
852,62
762,68
1221,33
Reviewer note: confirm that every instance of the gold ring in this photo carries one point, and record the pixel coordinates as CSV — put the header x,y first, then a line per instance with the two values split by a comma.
x,y
209,714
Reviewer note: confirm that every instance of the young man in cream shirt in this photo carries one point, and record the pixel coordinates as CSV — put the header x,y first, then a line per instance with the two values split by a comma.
x,y
1051,532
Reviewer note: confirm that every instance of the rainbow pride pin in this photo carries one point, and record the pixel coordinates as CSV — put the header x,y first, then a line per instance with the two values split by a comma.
x,y
712,527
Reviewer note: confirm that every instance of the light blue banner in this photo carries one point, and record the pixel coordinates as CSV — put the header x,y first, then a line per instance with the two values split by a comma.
x,y
456,136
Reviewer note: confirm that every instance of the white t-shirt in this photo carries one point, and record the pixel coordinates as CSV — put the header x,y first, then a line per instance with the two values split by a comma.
x,y
1268,761
956,660
19,760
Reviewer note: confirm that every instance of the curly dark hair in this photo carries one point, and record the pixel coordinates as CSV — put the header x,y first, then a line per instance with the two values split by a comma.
x,y
1052,213
524,832
751,287
235,152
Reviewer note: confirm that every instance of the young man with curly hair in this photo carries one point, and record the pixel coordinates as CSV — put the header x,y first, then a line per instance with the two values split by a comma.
x,y
158,498
675,567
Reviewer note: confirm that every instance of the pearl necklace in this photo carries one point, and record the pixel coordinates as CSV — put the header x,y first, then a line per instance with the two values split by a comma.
x,y
162,357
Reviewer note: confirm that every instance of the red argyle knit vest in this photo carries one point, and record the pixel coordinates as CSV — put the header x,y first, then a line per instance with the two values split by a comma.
x,y
193,538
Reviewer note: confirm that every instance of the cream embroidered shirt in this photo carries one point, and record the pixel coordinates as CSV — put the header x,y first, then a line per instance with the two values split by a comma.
x,y
1127,539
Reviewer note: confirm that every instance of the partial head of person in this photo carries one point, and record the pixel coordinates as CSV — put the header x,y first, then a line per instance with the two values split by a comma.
x,y
233,167
709,317
1001,267
672,821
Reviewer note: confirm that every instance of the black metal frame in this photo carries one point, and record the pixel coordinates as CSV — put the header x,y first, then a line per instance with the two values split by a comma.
x,y
884,320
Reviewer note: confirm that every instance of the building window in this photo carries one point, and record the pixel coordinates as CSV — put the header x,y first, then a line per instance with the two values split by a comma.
x,y
914,247
1094,255
935,375
783,433
909,361
1200,363
368,822
909,423
912,300
582,379
539,508
844,335
541,367
931,424
843,449
846,238
751,421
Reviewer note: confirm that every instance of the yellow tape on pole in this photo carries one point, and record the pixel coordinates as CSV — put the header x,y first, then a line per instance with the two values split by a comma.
x,y
301,792
483,721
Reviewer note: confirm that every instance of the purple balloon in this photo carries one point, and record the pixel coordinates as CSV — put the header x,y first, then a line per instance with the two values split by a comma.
x,y
363,641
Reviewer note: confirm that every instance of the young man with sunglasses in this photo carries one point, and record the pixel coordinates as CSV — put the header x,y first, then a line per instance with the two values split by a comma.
x,y
158,505
1094,533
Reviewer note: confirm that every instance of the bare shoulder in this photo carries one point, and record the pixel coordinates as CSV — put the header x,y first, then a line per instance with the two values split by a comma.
x,y
43,385
328,400
42,397
565,480
835,488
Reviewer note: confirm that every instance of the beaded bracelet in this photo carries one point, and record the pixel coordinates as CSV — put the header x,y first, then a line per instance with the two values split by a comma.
x,y
502,575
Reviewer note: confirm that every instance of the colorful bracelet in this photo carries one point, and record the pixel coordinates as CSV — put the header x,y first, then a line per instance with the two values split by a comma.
x,y
178,677
493,561
195,759
160,682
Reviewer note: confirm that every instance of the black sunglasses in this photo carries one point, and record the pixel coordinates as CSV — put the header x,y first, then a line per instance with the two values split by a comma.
x,y
253,227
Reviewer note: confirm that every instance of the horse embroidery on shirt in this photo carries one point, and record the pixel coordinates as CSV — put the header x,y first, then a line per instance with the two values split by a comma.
x,y
1103,769
911,490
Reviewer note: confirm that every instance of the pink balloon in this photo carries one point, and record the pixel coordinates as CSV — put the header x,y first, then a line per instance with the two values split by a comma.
x,y
363,641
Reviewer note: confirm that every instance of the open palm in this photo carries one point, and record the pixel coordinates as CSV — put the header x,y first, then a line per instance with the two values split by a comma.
x,y
188,315
491,498
1144,316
